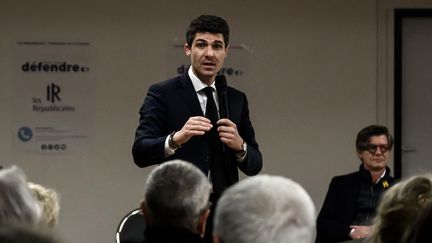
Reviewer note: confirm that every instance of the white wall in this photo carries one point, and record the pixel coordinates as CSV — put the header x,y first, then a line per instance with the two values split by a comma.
x,y
321,71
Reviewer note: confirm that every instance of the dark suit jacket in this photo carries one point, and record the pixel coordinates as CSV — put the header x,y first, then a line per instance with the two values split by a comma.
x,y
168,106
155,234
340,205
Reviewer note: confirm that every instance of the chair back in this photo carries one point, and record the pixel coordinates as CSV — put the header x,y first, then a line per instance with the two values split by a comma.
x,y
131,228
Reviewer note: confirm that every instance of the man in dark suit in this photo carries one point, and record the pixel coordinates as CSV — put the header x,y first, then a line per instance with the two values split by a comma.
x,y
351,200
173,119
178,120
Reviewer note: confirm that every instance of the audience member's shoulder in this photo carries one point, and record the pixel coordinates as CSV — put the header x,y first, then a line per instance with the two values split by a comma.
x,y
346,177
24,233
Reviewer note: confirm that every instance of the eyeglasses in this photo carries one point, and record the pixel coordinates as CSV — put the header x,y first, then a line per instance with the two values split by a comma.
x,y
372,148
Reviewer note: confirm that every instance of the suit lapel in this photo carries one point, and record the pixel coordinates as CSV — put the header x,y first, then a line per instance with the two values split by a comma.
x,y
189,95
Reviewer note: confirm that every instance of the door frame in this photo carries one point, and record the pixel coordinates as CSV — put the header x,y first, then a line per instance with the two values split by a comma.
x,y
399,16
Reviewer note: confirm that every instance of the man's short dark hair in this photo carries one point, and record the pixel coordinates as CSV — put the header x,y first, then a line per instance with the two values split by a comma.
x,y
207,23
364,135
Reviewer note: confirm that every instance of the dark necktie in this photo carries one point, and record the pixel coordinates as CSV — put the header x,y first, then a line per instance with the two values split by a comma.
x,y
217,166
211,109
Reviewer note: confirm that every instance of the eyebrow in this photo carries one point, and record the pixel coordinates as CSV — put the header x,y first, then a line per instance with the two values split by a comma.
x,y
202,40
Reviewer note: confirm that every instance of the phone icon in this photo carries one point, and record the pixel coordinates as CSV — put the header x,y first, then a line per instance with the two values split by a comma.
x,y
25,134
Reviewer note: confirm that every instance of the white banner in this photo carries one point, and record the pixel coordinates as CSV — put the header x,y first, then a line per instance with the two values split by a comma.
x,y
53,96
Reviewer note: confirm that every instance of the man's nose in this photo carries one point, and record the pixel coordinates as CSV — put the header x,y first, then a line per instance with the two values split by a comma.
x,y
209,51
378,149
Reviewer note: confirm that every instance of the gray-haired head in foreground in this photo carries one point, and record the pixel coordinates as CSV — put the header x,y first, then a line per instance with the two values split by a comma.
x,y
17,203
265,208
176,194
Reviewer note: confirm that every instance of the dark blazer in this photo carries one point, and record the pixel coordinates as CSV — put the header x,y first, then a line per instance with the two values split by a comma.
x,y
155,234
168,106
340,205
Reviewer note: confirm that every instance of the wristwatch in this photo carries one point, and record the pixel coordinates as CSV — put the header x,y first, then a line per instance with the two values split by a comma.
x,y
242,152
171,142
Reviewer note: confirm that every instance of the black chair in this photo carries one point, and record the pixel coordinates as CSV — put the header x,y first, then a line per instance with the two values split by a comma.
x,y
131,228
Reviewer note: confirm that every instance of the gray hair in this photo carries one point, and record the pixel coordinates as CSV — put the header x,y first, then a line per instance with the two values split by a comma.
x,y
265,208
17,204
176,193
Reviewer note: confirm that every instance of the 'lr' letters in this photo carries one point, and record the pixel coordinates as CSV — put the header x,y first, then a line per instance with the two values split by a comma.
x,y
53,91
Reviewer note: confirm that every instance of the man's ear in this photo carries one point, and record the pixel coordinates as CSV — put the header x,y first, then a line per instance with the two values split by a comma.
x,y
187,49
202,222
145,212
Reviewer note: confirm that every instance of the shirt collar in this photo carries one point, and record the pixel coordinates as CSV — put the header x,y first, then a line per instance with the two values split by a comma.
x,y
197,83
383,174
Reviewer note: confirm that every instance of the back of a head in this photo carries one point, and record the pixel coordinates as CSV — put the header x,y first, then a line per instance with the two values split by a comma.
x,y
398,209
176,193
17,204
49,201
265,208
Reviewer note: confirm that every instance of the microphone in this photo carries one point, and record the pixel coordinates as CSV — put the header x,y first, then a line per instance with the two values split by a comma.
x,y
221,87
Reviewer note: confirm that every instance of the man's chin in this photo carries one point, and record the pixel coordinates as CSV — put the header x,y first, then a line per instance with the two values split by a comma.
x,y
209,69
207,75
378,168
375,167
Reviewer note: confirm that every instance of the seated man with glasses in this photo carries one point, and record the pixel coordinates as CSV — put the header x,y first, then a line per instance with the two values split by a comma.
x,y
351,200
176,203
